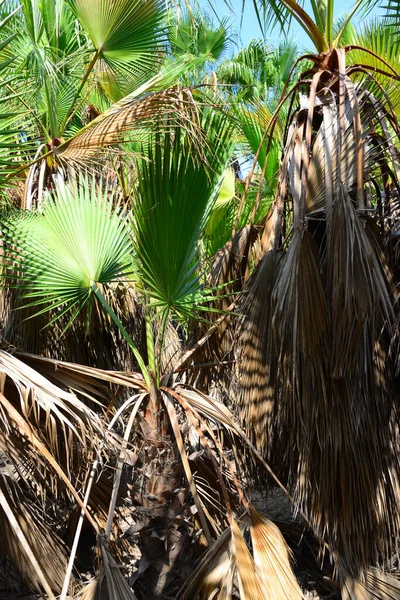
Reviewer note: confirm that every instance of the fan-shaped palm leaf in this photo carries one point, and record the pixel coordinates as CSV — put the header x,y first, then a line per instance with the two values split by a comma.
x,y
79,240
128,35
176,192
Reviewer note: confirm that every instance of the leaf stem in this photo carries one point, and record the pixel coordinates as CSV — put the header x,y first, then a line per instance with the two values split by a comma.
x,y
122,329
78,91
150,341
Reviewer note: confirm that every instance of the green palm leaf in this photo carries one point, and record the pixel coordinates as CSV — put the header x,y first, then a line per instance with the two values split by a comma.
x,y
79,239
127,34
176,192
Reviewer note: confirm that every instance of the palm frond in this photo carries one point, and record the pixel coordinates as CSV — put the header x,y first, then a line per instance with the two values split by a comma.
x,y
393,12
127,36
177,189
322,361
28,534
111,584
47,439
257,405
131,119
264,573
86,238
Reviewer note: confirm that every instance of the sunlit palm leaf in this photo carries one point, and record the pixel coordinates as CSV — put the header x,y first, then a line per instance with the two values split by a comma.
x,y
79,239
381,52
265,573
272,559
127,35
132,118
176,191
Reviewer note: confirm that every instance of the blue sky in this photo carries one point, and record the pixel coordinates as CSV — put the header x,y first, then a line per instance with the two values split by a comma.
x,y
250,28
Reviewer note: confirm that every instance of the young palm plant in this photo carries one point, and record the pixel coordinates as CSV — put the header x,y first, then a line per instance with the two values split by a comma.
x,y
188,478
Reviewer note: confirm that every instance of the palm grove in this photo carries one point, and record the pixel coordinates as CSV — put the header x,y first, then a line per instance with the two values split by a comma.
x,y
177,337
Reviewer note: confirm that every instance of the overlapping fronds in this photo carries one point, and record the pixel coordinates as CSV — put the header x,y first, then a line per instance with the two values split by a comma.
x,y
30,540
393,12
247,71
230,569
253,121
58,80
372,585
42,402
191,32
321,327
376,48
11,114
378,149
111,584
48,437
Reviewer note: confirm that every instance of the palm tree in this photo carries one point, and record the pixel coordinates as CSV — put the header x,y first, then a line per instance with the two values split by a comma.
x,y
195,34
319,371
319,377
99,240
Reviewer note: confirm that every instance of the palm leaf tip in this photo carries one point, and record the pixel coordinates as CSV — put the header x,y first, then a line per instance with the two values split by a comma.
x,y
272,559
78,240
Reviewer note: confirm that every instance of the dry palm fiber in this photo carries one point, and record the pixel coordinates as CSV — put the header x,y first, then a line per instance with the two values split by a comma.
x,y
334,386
370,585
258,397
299,328
40,536
349,482
357,286
336,409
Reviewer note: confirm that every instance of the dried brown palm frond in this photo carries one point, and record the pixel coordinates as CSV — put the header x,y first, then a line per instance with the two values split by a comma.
x,y
379,156
231,264
231,569
32,534
48,438
110,584
81,377
371,585
270,550
131,118
45,406
359,286
257,404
